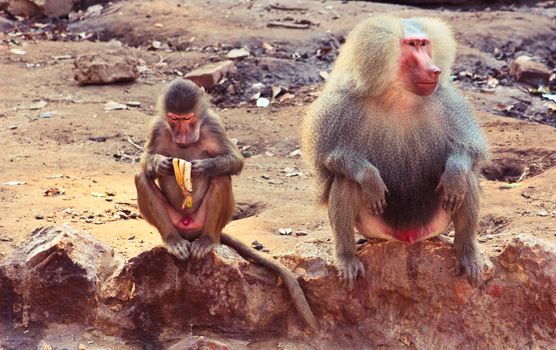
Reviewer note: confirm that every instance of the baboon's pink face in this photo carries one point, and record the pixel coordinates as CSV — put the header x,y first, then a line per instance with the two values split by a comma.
x,y
185,128
416,69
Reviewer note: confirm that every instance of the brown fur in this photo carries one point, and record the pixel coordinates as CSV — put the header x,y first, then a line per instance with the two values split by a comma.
x,y
366,137
215,158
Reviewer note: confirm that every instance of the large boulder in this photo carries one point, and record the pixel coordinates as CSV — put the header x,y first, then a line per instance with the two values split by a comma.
x,y
408,295
54,277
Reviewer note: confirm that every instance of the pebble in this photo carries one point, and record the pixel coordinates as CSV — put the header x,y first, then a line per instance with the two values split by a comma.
x,y
39,216
257,245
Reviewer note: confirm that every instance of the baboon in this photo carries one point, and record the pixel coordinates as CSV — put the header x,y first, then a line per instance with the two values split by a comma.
x,y
186,128
394,146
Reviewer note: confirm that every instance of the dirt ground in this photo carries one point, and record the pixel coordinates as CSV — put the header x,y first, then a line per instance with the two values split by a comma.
x,y
85,151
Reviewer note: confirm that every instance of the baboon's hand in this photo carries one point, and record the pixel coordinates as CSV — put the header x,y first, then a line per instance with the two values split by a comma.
x,y
164,166
201,247
201,167
177,246
374,188
453,187
349,268
472,265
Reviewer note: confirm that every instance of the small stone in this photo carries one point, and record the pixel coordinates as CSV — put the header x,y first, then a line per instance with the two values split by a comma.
x,y
526,194
300,233
542,213
295,153
285,231
263,102
133,104
247,153
105,68
267,47
257,245
12,127
525,70
237,53
111,106
155,45
209,75
39,216
47,115
265,176
18,52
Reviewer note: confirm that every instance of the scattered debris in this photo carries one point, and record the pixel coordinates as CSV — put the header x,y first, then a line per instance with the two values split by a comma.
x,y
286,8
288,25
133,103
285,231
324,75
53,191
268,48
62,57
238,53
17,51
112,105
32,106
295,153
247,153
263,102
47,115
155,45
140,148
14,183
105,68
290,172
257,245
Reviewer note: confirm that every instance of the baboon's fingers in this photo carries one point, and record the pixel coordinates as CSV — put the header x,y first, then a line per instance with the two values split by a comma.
x,y
179,249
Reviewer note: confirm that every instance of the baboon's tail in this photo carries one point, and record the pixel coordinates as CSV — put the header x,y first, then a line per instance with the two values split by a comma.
x,y
296,293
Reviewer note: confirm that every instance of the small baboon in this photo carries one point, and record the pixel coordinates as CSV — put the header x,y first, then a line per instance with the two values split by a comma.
x,y
394,146
186,128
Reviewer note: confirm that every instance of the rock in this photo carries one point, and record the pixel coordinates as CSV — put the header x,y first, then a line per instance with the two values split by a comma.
x,y
55,276
223,291
237,53
525,70
408,294
39,8
209,75
105,68
199,343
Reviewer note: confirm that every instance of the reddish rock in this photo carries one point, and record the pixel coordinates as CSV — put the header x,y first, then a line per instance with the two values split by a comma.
x,y
408,295
209,75
156,292
55,276
104,68
525,70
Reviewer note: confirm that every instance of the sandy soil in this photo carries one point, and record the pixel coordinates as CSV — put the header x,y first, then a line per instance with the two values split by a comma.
x,y
58,152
